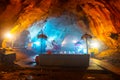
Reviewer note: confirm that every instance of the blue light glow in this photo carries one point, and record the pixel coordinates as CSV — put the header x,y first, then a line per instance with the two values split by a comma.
x,y
85,51
74,41
37,43
51,39
63,29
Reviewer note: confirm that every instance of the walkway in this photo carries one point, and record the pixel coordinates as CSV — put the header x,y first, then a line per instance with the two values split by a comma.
x,y
107,66
95,64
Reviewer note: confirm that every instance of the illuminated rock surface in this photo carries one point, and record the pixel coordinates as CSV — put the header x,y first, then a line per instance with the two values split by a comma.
x,y
100,18
97,17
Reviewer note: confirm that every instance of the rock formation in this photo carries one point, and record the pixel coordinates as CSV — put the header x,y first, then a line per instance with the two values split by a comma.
x,y
100,18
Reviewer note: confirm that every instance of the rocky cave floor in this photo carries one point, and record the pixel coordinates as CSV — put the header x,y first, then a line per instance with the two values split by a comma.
x,y
16,72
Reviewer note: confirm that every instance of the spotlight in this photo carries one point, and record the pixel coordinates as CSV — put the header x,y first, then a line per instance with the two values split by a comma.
x,y
94,44
8,35
37,43
74,41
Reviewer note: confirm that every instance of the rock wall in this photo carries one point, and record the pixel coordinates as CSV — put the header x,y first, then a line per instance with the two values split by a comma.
x,y
97,17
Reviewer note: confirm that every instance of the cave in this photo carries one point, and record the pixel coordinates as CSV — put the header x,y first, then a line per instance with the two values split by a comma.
x,y
58,26
99,18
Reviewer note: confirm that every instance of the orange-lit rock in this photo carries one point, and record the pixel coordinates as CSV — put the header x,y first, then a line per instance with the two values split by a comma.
x,y
97,17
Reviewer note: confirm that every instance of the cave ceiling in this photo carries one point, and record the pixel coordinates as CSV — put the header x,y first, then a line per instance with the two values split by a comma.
x,y
97,17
